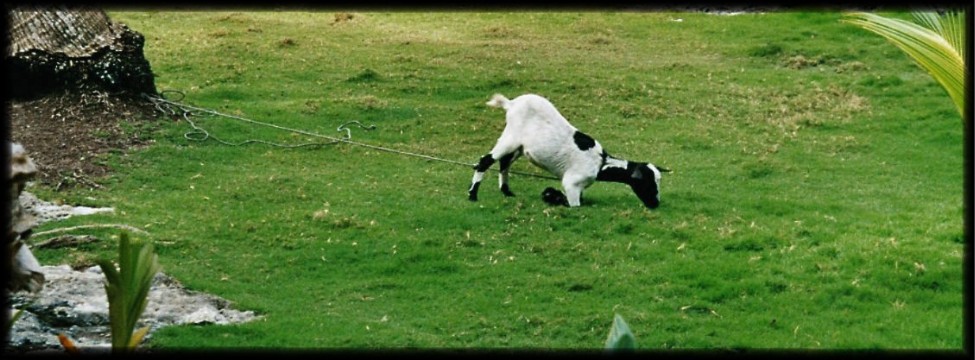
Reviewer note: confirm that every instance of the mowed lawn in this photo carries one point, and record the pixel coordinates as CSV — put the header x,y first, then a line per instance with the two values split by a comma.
x,y
816,199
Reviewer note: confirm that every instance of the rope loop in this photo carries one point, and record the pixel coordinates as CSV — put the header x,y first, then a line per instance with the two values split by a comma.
x,y
348,132
197,135
181,94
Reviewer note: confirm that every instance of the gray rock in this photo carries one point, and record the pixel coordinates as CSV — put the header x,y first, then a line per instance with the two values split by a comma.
x,y
74,303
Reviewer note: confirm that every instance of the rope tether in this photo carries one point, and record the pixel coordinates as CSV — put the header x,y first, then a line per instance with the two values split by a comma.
x,y
200,134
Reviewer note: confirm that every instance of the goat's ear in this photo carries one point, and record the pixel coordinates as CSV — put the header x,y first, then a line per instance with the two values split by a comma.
x,y
662,169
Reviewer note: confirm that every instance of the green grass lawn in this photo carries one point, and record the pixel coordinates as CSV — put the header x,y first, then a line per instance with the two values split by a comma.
x,y
816,200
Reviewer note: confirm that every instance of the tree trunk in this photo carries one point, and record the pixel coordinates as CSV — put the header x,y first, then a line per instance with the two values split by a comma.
x,y
55,49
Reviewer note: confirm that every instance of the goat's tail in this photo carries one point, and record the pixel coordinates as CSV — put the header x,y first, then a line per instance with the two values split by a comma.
x,y
500,101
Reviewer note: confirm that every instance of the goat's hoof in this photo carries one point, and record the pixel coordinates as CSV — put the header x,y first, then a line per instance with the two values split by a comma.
x,y
472,198
506,190
554,197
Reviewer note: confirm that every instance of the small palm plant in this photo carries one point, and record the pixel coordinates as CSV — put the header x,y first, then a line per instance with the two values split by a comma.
x,y
127,288
935,41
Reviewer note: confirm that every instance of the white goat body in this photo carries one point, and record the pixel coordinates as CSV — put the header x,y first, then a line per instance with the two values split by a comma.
x,y
535,128
544,137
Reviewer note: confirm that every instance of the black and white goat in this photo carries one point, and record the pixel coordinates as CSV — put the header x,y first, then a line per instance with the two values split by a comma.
x,y
535,129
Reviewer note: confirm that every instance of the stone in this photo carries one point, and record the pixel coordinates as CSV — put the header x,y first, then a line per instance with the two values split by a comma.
x,y
74,303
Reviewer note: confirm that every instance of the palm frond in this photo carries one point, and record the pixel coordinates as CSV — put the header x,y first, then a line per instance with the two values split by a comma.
x,y
620,337
935,42
951,27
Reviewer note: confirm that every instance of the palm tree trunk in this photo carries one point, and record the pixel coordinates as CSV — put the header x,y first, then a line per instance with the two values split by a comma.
x,y
55,49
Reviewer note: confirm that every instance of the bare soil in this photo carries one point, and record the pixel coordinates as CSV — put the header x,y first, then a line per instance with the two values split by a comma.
x,y
68,134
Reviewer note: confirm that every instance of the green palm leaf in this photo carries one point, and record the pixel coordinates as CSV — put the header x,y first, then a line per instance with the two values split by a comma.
x,y
620,337
127,288
935,42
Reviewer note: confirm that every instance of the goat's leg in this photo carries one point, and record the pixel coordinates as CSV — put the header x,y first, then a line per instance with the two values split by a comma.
x,y
505,164
573,187
483,165
573,194
504,148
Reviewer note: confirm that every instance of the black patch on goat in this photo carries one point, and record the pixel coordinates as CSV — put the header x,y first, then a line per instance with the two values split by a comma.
x,y
583,141
505,161
617,174
485,163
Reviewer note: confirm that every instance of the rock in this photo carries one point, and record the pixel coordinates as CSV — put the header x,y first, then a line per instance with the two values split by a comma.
x,y
74,303
43,211
23,266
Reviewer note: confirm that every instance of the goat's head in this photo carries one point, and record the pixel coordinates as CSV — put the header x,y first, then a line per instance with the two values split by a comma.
x,y
643,178
645,182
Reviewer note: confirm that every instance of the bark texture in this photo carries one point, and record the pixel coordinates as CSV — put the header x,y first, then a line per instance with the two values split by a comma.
x,y
55,48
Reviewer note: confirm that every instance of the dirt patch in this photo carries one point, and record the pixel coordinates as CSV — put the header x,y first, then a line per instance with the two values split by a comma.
x,y
68,134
